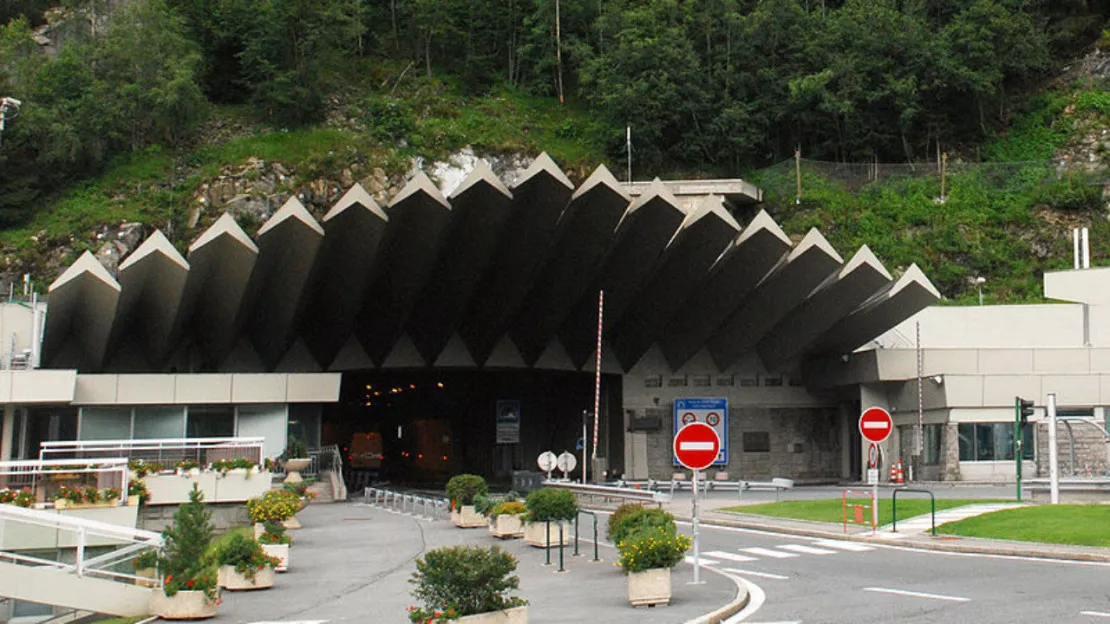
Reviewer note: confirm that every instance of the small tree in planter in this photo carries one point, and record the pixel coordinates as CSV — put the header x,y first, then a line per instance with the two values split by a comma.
x,y
548,509
276,543
467,583
461,491
189,589
647,556
244,564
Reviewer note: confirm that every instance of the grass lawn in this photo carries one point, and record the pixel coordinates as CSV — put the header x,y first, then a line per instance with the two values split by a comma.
x,y
831,509
1080,525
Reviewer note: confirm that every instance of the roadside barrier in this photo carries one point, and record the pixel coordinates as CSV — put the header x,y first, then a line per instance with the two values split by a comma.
x,y
429,507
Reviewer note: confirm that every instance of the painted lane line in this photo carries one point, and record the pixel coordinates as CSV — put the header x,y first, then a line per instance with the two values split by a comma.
x,y
720,554
807,550
767,552
756,598
1095,614
777,577
913,594
704,561
849,546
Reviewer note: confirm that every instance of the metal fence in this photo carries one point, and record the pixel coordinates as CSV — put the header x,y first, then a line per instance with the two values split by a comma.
x,y
431,507
46,477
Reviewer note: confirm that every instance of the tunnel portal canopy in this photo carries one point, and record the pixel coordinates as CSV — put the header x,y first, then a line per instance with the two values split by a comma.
x,y
491,276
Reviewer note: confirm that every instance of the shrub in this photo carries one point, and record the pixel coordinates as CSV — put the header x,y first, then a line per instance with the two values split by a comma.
x,y
619,514
137,487
246,555
551,504
223,466
652,548
642,519
149,559
295,449
507,508
464,580
462,489
274,533
19,498
185,559
273,506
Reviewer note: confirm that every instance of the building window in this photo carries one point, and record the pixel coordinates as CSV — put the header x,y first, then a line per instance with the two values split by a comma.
x,y
210,421
993,442
159,422
757,442
932,445
105,423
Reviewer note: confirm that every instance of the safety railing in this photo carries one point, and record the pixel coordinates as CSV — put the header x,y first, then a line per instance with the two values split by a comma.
x,y
167,452
84,537
609,493
894,507
43,479
858,509
431,507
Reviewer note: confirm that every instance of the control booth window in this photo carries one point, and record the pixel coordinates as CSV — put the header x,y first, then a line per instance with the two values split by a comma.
x,y
993,442
210,421
757,442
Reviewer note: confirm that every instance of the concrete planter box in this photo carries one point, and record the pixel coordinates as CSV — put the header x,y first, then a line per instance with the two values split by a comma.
x,y
535,534
281,551
650,587
259,529
230,579
62,503
466,518
506,526
292,523
235,487
184,605
516,615
147,578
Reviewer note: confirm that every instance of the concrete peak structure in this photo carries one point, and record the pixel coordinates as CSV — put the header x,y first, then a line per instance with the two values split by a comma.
x,y
355,196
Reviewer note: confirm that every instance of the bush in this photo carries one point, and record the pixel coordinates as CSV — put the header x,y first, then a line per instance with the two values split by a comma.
x,y
652,548
147,560
273,506
464,580
507,508
137,487
462,489
245,555
389,119
619,514
642,519
274,533
551,504
295,449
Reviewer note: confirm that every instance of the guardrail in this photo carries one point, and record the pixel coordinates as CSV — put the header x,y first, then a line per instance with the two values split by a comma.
x,y
609,493
45,477
163,451
894,507
432,507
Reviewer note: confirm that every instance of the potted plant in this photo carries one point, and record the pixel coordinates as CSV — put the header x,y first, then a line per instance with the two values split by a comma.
x,y
276,506
276,543
295,459
146,568
548,509
244,565
189,590
647,556
188,468
504,519
19,498
630,518
469,584
137,493
461,491
225,466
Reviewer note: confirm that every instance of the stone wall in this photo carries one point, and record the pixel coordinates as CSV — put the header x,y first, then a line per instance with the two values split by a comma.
x,y
950,452
1090,450
805,445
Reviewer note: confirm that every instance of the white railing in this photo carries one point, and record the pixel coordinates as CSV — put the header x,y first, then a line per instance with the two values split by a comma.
x,y
45,477
431,507
167,452
83,535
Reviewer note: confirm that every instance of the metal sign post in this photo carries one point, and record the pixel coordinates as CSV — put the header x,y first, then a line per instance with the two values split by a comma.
x,y
875,424
1053,459
694,522
696,446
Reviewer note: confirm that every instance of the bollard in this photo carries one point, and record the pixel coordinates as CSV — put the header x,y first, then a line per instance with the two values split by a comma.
x,y
547,538
561,568
576,534
596,558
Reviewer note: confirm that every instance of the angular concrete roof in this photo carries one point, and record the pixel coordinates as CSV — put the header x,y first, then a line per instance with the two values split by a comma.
x,y
492,277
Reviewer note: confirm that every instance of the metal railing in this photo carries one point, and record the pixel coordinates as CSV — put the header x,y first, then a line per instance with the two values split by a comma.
x,y
167,452
894,507
608,493
431,507
84,535
46,477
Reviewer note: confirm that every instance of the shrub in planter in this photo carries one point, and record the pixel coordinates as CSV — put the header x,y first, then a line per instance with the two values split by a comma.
x,y
19,498
462,489
507,508
137,487
641,519
273,506
253,568
504,519
619,514
647,556
275,542
464,580
186,564
551,504
224,466
296,448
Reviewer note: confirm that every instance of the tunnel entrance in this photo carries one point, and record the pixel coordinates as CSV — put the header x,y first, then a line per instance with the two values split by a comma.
x,y
419,428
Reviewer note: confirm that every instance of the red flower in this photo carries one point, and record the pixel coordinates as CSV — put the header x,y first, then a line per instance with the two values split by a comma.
x,y
189,584
169,577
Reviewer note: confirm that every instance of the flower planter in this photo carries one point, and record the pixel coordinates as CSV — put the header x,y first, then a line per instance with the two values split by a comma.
x,y
259,529
536,535
144,574
230,579
281,551
650,587
133,501
293,468
292,523
62,503
466,518
184,605
506,526
516,615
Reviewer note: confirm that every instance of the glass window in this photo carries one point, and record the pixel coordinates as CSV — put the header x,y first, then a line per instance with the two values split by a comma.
x,y
757,442
932,445
304,423
1027,443
993,442
984,443
967,442
1003,440
210,421
105,423
155,422
266,421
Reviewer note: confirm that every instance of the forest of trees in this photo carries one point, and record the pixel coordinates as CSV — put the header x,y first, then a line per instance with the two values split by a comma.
x,y
707,83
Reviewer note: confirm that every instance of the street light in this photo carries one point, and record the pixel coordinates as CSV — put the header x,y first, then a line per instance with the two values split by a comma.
x,y
979,281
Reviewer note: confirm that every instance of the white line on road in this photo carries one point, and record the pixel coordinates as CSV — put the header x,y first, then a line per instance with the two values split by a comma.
x,y
777,577
902,592
720,554
756,598
1095,614
704,561
850,546
807,550
767,552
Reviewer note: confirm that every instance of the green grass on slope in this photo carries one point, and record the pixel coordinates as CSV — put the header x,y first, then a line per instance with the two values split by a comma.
x,y
832,510
1080,525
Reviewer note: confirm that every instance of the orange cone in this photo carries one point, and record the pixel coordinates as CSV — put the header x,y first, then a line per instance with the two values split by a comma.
x,y
893,472
901,477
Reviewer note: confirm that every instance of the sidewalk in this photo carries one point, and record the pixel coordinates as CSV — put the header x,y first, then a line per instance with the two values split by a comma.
x,y
351,563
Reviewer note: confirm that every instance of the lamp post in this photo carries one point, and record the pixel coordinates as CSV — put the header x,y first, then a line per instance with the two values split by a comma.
x,y
979,281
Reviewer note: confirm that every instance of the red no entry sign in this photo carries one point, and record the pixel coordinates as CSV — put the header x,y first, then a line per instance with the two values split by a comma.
x,y
696,446
875,424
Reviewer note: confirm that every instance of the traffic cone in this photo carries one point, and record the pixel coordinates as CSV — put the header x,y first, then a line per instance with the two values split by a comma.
x,y
901,477
893,472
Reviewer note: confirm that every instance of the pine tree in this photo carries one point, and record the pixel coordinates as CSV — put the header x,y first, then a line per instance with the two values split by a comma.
x,y
185,554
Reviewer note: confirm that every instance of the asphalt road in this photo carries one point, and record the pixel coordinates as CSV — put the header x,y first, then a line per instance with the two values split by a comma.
x,y
809,580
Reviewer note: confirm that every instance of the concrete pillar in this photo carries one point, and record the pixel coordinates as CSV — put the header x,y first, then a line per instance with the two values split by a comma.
x,y
7,431
950,453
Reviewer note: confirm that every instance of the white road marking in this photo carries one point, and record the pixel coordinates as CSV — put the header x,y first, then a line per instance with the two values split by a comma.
x,y
767,552
913,594
704,561
807,550
777,577
294,622
720,554
849,546
949,553
756,598
1095,614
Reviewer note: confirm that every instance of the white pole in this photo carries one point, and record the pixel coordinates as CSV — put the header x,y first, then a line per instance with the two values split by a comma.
x,y
585,414
628,144
694,523
1086,249
1075,246
1053,460
597,372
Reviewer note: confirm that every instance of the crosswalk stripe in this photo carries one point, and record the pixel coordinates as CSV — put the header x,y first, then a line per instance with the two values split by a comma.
x,y
767,552
807,550
720,554
850,546
777,577
704,561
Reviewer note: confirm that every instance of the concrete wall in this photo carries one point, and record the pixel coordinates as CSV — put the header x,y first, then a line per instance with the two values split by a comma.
x,y
206,388
1091,451
996,327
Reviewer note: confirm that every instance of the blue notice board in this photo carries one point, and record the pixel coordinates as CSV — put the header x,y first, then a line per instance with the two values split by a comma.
x,y
713,412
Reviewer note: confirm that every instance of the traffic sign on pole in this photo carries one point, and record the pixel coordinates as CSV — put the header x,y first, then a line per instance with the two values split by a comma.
x,y
875,424
696,446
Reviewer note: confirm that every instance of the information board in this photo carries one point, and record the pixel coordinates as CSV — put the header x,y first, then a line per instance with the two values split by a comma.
x,y
713,412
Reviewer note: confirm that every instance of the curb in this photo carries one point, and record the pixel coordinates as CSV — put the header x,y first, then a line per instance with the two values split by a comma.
x,y
743,597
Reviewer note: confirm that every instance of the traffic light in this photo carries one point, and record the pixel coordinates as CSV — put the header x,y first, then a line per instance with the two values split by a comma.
x,y
1026,410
